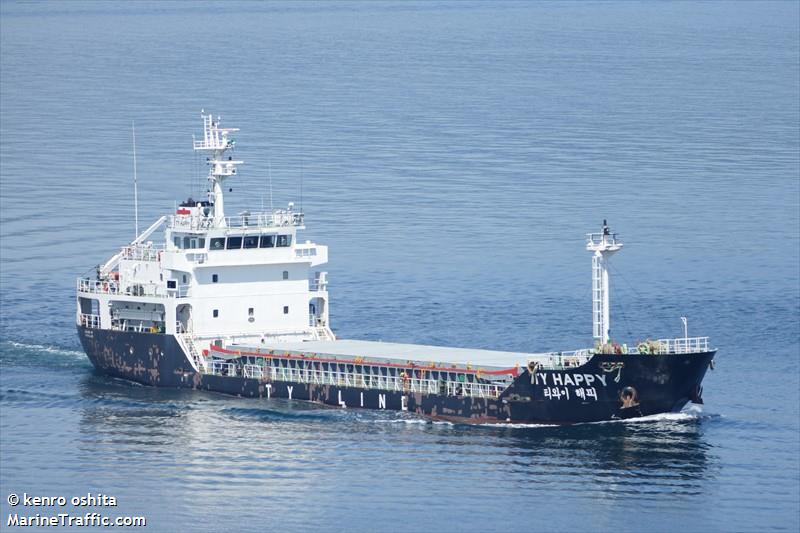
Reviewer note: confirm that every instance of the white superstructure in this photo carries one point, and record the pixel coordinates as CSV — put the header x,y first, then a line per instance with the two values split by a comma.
x,y
234,278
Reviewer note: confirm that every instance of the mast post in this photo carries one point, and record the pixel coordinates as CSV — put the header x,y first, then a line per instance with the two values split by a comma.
x,y
603,245
216,142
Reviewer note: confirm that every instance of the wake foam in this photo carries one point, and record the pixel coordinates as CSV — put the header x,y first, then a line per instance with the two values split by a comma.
x,y
45,348
689,414
516,425
410,421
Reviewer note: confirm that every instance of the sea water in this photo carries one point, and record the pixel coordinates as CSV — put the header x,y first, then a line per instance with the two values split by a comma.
x,y
452,155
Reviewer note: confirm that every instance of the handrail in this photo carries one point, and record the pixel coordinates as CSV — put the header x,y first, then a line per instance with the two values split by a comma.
x,y
134,289
597,239
279,218
98,286
89,321
305,250
317,285
680,345
358,380
142,253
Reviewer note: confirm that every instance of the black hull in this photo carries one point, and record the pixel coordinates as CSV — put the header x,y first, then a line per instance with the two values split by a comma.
x,y
605,388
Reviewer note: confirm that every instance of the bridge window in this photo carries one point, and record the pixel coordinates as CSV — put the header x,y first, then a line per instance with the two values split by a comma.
x,y
234,243
267,241
251,241
218,243
285,309
171,284
285,274
216,313
284,240
214,278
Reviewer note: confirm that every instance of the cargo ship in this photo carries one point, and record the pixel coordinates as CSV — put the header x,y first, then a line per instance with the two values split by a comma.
x,y
239,305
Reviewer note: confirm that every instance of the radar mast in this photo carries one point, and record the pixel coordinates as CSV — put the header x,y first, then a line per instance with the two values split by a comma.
x,y
216,142
604,245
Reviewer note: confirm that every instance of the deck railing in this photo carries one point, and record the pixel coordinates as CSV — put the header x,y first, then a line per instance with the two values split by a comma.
x,y
135,289
681,345
596,239
359,380
253,220
142,252
221,369
565,360
305,250
98,286
260,220
316,285
90,321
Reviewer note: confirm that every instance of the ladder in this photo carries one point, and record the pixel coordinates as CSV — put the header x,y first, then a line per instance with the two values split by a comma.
x,y
598,295
191,349
324,333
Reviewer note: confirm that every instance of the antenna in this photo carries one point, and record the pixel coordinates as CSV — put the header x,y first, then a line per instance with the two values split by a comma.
x,y
271,207
302,169
135,183
195,173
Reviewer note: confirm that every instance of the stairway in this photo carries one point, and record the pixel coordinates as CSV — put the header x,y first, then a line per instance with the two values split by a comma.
x,y
187,343
324,333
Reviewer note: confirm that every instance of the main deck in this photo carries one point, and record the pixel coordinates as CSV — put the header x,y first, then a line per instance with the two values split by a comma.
x,y
390,352
446,358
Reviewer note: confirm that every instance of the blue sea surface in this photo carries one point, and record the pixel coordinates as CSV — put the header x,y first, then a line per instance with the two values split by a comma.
x,y
452,155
